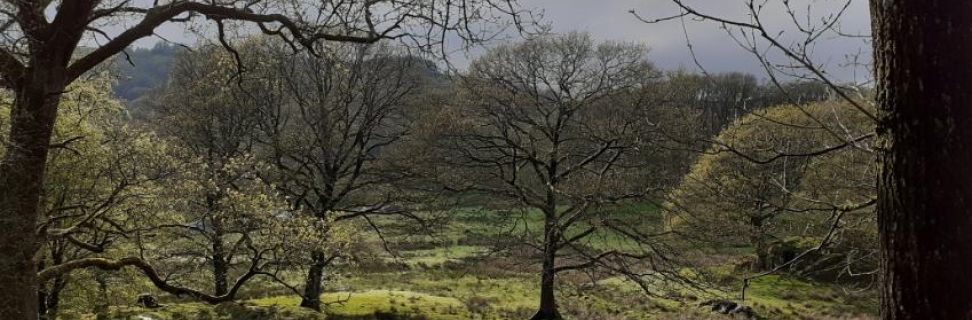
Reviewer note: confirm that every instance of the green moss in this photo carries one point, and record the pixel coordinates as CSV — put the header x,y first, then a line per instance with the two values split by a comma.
x,y
438,256
225,311
365,304
796,297
492,291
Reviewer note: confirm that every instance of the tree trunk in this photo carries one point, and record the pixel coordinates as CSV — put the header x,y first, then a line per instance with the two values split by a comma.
x,y
758,240
42,296
762,254
21,180
924,76
220,269
220,263
101,304
548,300
313,286
50,298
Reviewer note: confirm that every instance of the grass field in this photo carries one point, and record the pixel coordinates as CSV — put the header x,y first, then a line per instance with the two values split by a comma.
x,y
455,275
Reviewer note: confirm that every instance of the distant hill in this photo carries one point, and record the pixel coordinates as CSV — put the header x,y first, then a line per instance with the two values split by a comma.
x,y
143,69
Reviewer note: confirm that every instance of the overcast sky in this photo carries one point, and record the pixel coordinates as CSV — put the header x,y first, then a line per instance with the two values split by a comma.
x,y
611,20
717,52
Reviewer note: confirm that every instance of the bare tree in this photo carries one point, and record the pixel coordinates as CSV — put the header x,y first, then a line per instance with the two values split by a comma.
x,y
325,134
38,48
554,124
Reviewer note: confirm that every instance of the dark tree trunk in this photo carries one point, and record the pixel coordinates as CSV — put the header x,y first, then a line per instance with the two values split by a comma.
x,y
21,178
219,258
42,304
42,296
101,305
924,75
548,300
313,285
220,269
52,302
758,241
49,297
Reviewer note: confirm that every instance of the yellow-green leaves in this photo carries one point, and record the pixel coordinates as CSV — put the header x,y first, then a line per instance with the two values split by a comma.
x,y
780,169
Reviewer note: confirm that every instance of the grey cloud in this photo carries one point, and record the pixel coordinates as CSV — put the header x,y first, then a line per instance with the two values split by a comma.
x,y
610,20
717,52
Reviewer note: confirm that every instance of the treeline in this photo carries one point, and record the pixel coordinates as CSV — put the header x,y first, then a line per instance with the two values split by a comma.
x,y
139,70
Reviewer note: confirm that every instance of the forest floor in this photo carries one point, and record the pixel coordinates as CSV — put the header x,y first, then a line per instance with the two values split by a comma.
x,y
456,275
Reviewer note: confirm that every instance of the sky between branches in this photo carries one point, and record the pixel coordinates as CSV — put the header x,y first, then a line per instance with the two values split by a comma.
x,y
716,51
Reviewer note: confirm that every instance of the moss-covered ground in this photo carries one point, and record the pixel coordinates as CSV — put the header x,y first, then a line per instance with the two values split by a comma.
x,y
455,275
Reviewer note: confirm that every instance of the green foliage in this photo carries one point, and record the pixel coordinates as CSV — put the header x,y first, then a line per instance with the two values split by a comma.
x,y
100,174
781,172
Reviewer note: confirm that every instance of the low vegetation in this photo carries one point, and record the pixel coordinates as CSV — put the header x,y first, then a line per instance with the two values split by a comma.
x,y
456,281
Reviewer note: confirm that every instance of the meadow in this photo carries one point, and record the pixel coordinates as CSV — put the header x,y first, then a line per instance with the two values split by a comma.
x,y
458,273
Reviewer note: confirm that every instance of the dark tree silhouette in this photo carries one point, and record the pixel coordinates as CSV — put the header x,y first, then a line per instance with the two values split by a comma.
x,y
921,51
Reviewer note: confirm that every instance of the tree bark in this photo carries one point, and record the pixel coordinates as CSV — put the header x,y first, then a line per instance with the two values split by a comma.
x,y
313,286
21,181
548,300
49,298
219,255
924,76
220,268
101,304
758,240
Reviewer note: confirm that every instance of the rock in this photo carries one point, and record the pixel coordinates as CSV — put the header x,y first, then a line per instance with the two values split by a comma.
x,y
147,301
729,307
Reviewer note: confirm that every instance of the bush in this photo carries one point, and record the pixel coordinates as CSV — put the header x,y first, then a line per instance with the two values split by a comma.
x,y
826,264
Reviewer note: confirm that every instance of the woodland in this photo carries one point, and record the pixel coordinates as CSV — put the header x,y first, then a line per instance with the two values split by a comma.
x,y
334,160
